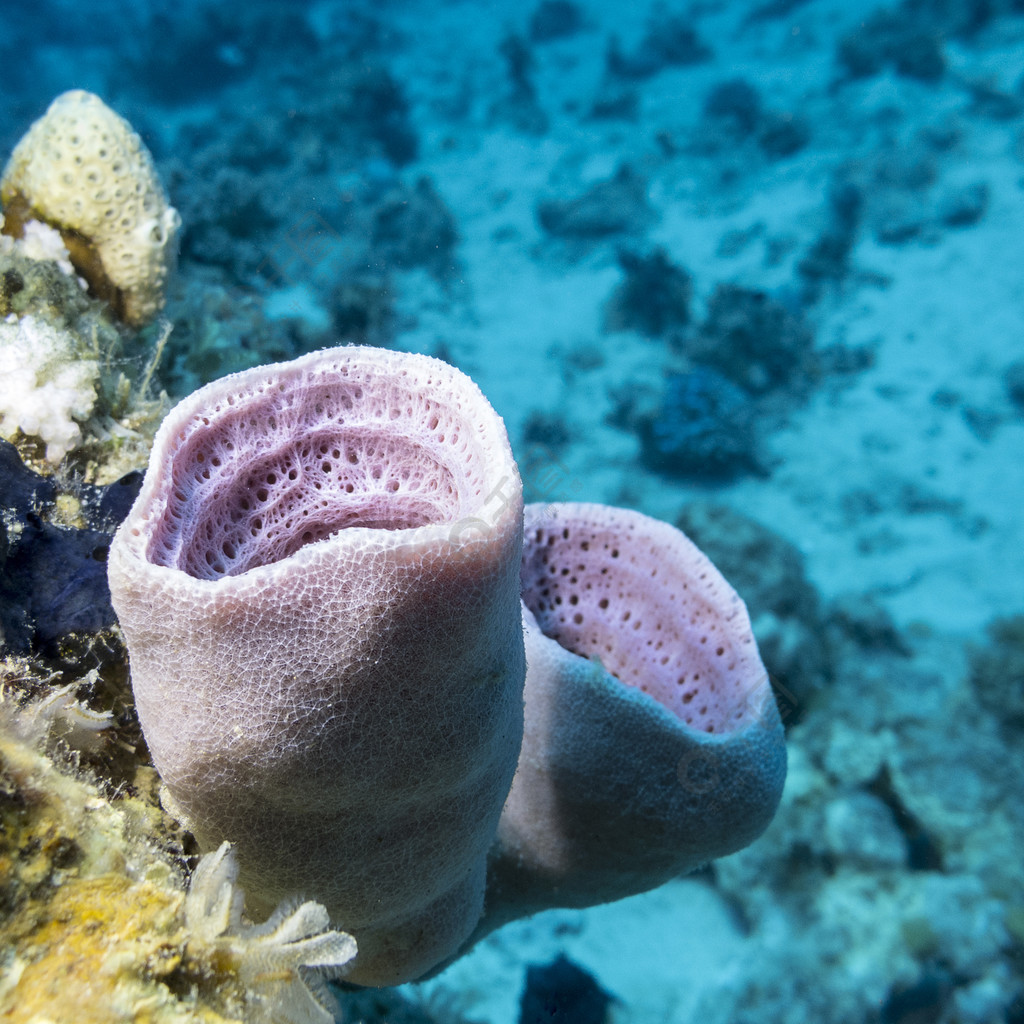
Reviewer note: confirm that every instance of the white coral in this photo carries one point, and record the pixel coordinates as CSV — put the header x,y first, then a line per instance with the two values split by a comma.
x,y
42,243
281,963
39,241
47,389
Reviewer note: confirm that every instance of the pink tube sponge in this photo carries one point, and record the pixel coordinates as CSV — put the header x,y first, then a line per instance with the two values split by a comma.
x,y
652,740
318,585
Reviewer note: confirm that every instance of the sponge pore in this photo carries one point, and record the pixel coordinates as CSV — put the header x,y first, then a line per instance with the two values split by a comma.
x,y
637,594
269,469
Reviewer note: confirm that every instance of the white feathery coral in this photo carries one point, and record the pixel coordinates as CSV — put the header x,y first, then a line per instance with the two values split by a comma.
x,y
59,715
284,963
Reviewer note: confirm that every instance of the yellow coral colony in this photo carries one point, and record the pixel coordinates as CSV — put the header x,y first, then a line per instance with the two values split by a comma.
x,y
82,169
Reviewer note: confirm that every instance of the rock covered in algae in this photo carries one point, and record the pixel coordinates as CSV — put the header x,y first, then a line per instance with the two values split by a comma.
x,y
97,923
75,383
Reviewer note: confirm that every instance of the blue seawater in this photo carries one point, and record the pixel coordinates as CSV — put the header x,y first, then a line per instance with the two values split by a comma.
x,y
459,178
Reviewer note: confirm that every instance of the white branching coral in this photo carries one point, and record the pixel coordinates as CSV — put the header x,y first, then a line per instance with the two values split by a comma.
x,y
49,386
42,242
284,963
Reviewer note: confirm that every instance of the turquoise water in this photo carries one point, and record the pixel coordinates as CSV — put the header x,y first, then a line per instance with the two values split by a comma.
x,y
750,268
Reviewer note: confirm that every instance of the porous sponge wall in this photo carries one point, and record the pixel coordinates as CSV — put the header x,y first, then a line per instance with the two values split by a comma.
x,y
338,688
338,448
82,169
637,595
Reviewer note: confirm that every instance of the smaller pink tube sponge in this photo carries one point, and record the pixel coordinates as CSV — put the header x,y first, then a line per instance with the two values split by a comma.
x,y
653,743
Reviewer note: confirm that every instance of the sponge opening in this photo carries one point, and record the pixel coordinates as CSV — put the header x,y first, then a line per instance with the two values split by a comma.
x,y
652,609
282,465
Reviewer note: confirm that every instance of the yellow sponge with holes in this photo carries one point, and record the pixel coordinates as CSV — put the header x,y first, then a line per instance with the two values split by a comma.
x,y
82,169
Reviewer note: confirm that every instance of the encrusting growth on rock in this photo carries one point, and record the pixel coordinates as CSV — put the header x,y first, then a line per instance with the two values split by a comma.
x,y
83,170
97,923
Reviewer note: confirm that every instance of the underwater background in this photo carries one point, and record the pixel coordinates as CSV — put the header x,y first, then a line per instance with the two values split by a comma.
x,y
753,268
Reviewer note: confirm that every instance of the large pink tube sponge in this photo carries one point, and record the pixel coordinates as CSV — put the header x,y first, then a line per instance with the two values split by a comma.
x,y
652,740
318,585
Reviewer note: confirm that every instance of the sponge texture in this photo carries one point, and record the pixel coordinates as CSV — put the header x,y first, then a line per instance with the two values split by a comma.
x,y
636,595
652,741
82,169
319,588
343,450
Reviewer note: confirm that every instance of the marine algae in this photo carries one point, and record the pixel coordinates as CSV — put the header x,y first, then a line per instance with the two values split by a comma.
x,y
97,923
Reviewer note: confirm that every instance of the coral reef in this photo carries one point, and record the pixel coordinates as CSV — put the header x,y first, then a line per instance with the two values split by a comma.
x,y
97,924
828,260
704,428
734,106
72,388
260,211
754,340
83,170
872,817
893,37
997,671
298,226
617,205
654,297
521,105
781,133
442,178
1014,383
555,19
733,114
219,48
414,228
219,330
669,41
728,379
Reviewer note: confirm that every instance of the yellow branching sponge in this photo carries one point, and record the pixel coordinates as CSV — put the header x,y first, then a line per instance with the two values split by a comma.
x,y
82,169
